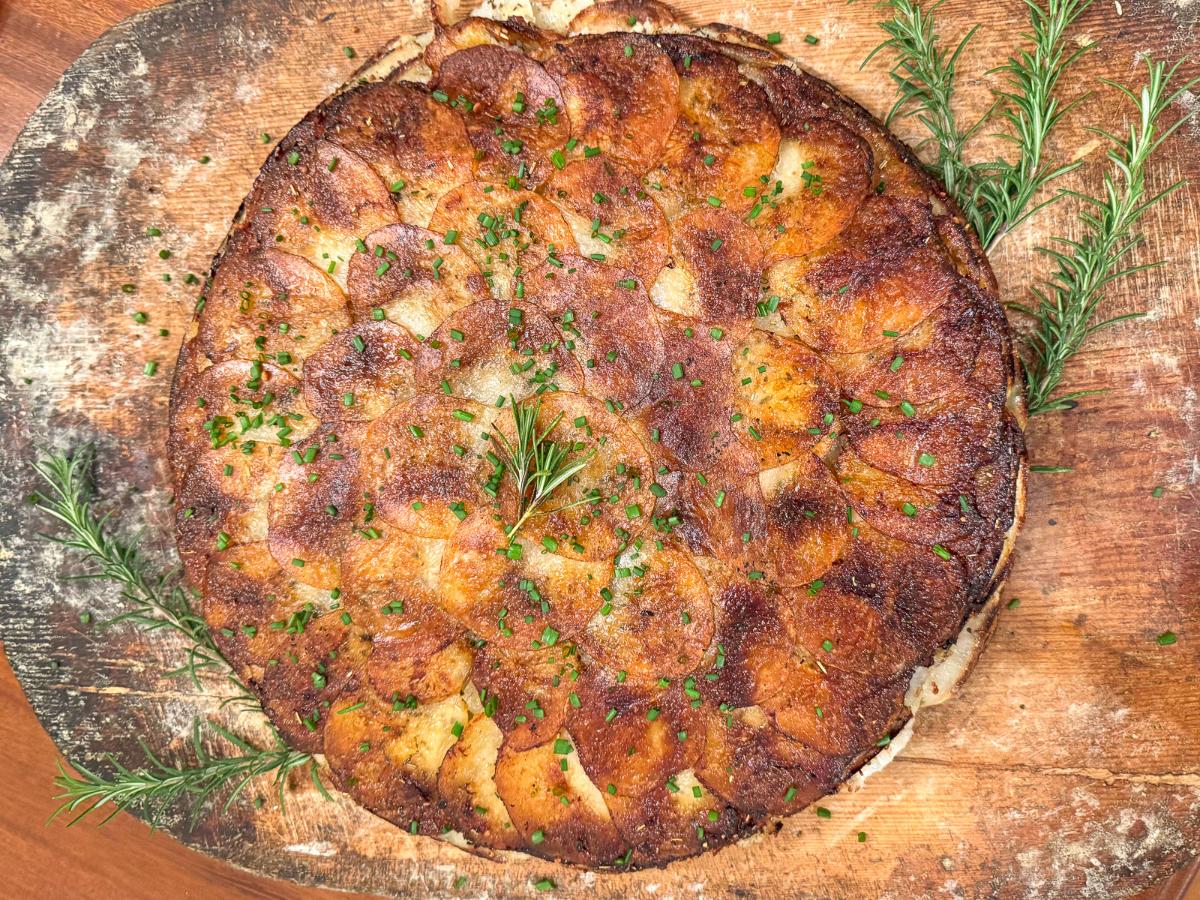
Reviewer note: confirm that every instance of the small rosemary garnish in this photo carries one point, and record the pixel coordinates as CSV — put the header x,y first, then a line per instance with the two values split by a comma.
x,y
159,601
538,464
1067,302
157,787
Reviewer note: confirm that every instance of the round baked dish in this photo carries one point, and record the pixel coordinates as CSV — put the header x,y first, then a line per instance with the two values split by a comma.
x,y
754,335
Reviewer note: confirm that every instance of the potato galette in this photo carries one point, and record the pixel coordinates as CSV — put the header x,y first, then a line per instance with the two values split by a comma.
x,y
751,336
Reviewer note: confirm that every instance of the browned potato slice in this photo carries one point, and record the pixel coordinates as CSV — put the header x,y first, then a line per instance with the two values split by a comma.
x,y
388,760
923,592
630,739
672,822
476,31
719,516
786,396
547,793
316,201
232,419
314,504
607,321
513,110
807,527
880,276
389,595
930,443
361,373
839,630
725,139
688,419
525,603
717,271
505,232
648,16
207,519
834,712
417,144
394,671
494,350
757,770
659,620
526,691
821,178
902,509
280,635
270,305
615,481
613,218
467,782
426,461
414,276
621,93
929,362
756,637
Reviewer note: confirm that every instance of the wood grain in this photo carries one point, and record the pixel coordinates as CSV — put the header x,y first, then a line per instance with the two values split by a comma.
x,y
1068,766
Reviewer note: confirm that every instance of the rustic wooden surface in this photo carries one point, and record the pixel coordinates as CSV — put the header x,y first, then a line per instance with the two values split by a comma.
x,y
1068,766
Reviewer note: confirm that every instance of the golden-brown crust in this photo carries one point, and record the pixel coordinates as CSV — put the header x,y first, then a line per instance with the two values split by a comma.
x,y
793,499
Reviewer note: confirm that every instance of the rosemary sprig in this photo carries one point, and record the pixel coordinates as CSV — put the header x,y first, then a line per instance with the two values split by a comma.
x,y
158,601
1005,191
924,76
158,786
538,464
1067,302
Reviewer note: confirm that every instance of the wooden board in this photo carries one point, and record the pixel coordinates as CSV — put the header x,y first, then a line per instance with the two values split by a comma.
x,y
1069,766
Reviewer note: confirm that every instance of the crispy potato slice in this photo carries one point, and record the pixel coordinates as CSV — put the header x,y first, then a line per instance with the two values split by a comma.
x,y
924,593
720,516
533,601
725,138
614,482
422,483
613,218
930,362
621,95
648,16
313,506
316,201
397,674
270,305
232,419
494,350
632,739
477,31
389,760
417,144
821,178
208,521
513,110
844,632
659,620
606,319
557,803
414,276
361,373
786,396
503,231
467,782
901,509
674,821
717,270
942,442
757,639
807,527
881,275
526,691
758,770
389,595
836,713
